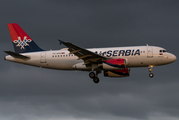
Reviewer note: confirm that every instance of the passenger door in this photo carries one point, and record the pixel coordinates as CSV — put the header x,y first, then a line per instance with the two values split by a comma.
x,y
42,57
149,51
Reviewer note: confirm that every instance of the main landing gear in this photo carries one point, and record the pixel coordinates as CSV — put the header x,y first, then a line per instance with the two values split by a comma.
x,y
94,76
151,75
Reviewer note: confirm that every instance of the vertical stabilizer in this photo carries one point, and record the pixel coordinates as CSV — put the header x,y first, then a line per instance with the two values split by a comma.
x,y
21,41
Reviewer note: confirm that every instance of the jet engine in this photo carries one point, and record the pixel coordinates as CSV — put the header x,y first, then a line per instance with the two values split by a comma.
x,y
117,73
114,64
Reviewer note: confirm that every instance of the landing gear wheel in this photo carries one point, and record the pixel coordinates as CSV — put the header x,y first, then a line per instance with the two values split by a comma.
x,y
96,80
92,75
151,75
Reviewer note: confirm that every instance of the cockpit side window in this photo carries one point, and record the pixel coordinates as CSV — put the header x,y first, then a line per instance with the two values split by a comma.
x,y
164,50
161,51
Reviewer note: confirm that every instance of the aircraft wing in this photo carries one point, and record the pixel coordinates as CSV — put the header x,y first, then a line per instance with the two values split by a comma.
x,y
84,54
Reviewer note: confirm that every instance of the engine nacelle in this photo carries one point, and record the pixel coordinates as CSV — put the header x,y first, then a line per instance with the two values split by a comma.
x,y
114,64
117,73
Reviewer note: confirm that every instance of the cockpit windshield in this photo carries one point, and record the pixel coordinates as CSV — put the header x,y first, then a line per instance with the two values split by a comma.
x,y
162,51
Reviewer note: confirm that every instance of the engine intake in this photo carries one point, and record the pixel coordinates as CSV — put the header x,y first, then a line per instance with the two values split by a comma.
x,y
114,64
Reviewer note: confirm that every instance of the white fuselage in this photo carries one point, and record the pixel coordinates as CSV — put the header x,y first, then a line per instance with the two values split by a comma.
x,y
138,56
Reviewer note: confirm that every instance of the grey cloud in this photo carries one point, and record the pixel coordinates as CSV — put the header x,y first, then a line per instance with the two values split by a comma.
x,y
34,93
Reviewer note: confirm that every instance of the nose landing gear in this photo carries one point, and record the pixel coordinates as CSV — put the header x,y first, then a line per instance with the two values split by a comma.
x,y
151,75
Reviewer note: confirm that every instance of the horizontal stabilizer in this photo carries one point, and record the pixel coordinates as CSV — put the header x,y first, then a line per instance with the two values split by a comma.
x,y
16,55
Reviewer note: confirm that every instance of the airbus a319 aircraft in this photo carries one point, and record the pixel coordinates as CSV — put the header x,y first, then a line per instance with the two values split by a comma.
x,y
113,61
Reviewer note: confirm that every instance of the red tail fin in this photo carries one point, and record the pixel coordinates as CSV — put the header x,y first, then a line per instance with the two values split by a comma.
x,y
16,31
21,41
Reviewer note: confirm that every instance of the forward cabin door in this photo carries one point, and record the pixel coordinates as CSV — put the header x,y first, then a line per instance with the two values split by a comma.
x,y
149,51
42,57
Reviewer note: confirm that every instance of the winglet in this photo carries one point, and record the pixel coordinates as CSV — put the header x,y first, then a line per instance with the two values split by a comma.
x,y
61,42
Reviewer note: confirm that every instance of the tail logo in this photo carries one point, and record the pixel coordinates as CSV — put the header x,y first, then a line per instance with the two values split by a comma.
x,y
23,43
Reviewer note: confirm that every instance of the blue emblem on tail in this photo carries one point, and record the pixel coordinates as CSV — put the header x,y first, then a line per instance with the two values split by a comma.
x,y
21,44
21,41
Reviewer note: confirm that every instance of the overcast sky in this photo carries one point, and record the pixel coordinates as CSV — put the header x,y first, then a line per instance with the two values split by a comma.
x,y
31,93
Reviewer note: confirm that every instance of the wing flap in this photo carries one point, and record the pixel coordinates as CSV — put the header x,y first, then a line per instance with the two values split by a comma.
x,y
85,56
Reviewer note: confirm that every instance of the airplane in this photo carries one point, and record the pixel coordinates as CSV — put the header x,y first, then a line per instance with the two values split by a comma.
x,y
113,61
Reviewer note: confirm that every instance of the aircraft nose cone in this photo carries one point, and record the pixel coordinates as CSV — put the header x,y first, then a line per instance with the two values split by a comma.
x,y
173,57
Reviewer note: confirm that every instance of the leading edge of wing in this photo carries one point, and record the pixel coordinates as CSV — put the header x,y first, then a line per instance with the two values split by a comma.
x,y
82,53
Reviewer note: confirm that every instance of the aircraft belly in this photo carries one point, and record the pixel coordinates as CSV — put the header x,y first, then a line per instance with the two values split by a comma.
x,y
140,61
61,64
144,61
162,60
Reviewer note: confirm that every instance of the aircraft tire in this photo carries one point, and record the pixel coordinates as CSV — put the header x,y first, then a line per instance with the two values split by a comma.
x,y
92,75
151,75
96,80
